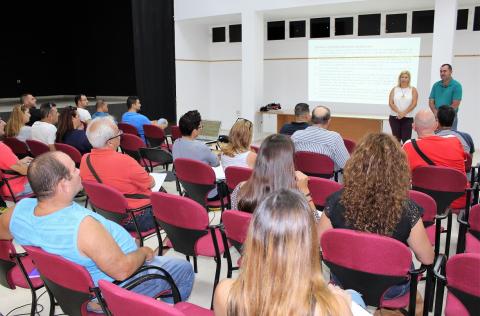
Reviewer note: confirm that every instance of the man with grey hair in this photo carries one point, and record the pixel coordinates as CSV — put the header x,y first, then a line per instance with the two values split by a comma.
x,y
302,117
318,139
431,149
105,164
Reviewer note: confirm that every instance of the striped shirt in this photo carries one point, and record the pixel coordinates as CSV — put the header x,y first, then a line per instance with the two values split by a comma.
x,y
319,140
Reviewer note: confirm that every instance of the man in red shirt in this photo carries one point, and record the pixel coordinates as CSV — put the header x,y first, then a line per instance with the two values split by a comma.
x,y
117,170
10,162
445,151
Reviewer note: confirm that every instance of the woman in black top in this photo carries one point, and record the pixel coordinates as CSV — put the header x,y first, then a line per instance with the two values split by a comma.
x,y
375,199
70,130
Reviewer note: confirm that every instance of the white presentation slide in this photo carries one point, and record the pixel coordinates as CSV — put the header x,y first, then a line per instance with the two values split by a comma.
x,y
359,70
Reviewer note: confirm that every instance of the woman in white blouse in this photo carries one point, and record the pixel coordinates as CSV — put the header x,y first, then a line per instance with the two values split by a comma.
x,y
237,151
402,100
16,123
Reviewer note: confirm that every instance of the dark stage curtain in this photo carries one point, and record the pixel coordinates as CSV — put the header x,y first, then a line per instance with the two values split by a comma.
x,y
154,49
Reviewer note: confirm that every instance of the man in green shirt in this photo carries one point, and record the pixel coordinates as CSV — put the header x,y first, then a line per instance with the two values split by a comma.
x,y
447,91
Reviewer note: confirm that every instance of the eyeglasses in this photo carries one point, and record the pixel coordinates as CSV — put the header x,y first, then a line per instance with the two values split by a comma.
x,y
246,121
120,133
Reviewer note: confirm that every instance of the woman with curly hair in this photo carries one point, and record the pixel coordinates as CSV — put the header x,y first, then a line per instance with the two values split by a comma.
x,y
16,123
375,200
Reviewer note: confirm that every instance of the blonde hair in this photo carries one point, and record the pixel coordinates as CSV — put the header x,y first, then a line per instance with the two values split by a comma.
x,y
239,138
405,72
282,256
15,122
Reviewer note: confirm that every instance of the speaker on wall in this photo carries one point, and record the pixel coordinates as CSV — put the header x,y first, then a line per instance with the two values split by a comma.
x,y
297,29
369,24
275,30
422,21
319,27
235,33
462,19
344,26
396,23
218,34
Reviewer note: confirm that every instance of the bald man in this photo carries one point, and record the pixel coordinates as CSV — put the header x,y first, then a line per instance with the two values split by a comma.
x,y
318,139
445,151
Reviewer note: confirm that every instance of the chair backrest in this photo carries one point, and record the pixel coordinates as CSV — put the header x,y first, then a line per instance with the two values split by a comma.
x,y
121,302
443,184
427,203
131,144
350,145
69,282
236,225
183,219
314,164
367,263
234,175
321,189
128,128
18,147
37,148
71,151
106,200
176,134
196,177
6,263
154,135
474,219
463,281
156,155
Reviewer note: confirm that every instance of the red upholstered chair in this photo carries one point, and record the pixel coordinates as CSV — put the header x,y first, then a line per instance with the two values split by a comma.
x,y
14,270
176,134
350,145
155,137
128,128
234,232
188,230
112,204
444,185
370,264
68,282
130,144
156,156
429,212
19,148
198,179
462,278
233,176
469,232
321,189
5,177
315,165
71,151
254,148
37,148
121,302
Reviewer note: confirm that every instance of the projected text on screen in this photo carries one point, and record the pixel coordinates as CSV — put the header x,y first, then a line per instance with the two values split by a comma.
x,y
359,70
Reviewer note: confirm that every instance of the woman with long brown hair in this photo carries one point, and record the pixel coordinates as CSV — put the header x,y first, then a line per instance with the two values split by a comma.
x,y
237,151
375,199
69,130
16,124
281,270
274,170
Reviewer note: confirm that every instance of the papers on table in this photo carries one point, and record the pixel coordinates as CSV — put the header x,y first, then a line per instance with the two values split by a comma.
x,y
159,179
219,172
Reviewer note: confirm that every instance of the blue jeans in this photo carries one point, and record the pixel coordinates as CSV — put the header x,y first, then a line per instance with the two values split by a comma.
x,y
144,219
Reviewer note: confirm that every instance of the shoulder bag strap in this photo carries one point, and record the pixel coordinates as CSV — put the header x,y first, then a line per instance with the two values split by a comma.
x,y
421,154
94,173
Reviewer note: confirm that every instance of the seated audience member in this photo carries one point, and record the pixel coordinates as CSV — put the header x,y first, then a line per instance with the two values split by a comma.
x,y
70,130
10,163
237,151
274,170
446,116
281,244
16,123
117,170
101,109
445,151
2,127
30,102
318,139
44,130
81,102
302,117
187,147
136,119
58,225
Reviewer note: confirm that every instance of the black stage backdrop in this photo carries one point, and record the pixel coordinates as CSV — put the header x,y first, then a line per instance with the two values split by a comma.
x,y
154,50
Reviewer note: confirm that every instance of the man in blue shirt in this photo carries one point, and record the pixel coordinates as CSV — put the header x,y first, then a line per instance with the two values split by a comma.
x,y
447,91
101,109
136,119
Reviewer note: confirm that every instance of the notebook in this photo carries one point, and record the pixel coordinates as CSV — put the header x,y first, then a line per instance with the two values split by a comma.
x,y
210,131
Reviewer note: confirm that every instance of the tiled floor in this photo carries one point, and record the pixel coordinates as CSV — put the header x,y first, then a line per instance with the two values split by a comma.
x,y
202,291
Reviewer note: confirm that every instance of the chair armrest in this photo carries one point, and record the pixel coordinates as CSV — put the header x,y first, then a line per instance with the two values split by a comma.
x,y
418,271
439,266
220,226
461,218
442,216
12,173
